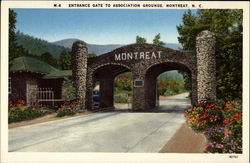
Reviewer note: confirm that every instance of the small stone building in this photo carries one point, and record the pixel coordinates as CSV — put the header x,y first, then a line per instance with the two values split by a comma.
x,y
35,81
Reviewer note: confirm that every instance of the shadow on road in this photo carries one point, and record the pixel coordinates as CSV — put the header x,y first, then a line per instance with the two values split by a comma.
x,y
161,109
177,104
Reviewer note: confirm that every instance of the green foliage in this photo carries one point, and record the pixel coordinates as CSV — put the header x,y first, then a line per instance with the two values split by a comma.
x,y
71,90
37,46
228,134
65,60
48,58
66,112
123,84
169,85
26,113
187,80
121,99
92,55
25,45
125,74
124,81
140,40
203,116
68,108
221,124
20,112
227,26
12,36
31,64
157,40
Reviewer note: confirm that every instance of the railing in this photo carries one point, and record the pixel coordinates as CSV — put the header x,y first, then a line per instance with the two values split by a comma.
x,y
46,95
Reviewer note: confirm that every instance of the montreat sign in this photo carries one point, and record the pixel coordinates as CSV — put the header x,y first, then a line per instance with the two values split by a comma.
x,y
138,55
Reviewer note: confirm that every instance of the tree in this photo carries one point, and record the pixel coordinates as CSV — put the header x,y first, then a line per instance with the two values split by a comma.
x,y
48,58
227,26
140,40
12,36
15,50
65,60
157,41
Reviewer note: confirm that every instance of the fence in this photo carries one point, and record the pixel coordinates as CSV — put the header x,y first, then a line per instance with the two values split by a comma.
x,y
45,96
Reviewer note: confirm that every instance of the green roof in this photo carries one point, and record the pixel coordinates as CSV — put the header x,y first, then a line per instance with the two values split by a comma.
x,y
31,64
59,73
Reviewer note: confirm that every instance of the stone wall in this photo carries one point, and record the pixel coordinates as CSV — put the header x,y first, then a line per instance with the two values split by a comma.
x,y
24,85
141,70
18,86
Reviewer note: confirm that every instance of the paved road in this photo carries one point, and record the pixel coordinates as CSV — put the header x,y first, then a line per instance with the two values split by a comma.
x,y
118,131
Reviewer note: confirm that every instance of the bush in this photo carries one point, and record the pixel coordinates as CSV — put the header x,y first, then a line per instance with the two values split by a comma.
x,y
121,99
170,87
20,112
71,90
225,133
229,131
68,108
204,116
123,83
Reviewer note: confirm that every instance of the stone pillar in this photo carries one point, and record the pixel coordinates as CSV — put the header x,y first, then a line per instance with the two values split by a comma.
x,y
194,90
79,71
31,90
89,91
206,66
139,92
64,94
107,92
150,86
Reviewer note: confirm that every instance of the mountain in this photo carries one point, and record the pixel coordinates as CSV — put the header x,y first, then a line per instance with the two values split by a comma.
x,y
67,43
173,73
37,46
92,48
173,46
101,49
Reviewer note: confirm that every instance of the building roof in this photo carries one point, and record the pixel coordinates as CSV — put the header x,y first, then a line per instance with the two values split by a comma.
x,y
31,65
59,74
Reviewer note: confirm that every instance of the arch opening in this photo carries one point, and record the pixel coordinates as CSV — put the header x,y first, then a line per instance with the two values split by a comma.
x,y
123,90
163,81
104,90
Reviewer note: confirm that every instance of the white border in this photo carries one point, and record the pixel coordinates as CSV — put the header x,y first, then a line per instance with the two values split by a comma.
x,y
120,157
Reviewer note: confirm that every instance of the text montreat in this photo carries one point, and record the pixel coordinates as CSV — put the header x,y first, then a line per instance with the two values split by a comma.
x,y
138,55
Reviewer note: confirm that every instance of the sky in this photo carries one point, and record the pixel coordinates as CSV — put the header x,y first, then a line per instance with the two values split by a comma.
x,y
100,26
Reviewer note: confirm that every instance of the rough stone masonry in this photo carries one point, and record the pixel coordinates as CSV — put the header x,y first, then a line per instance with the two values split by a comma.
x,y
79,70
145,62
206,66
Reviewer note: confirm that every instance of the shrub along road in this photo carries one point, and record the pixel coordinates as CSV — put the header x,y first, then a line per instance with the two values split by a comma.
x,y
117,131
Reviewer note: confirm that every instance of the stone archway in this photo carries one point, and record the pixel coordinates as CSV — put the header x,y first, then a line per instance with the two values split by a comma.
x,y
145,61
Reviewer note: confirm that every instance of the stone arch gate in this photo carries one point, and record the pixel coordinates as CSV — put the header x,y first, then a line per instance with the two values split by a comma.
x,y
146,62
